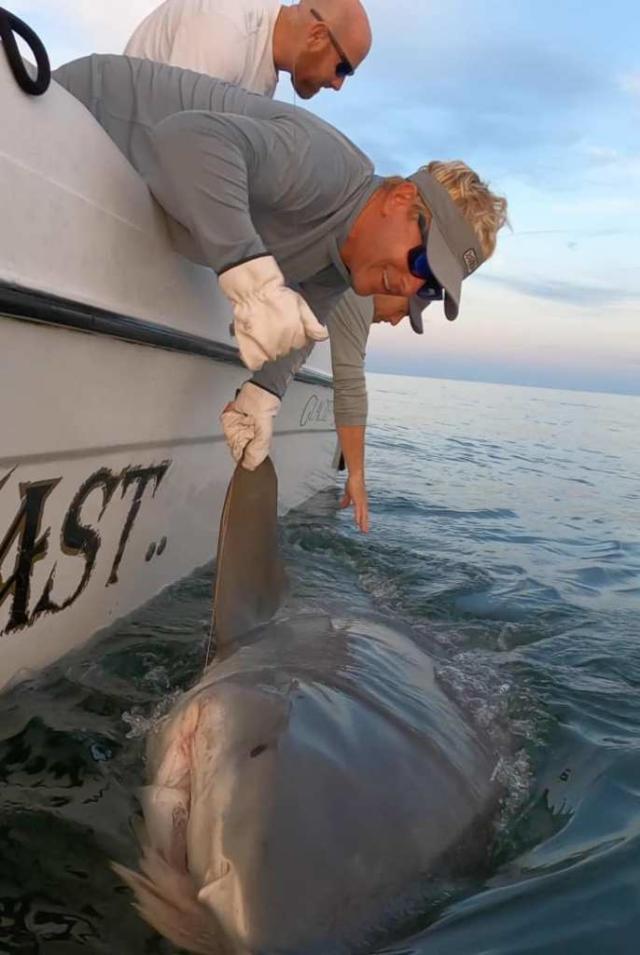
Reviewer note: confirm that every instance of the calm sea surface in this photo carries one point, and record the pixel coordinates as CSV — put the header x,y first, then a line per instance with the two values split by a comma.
x,y
506,531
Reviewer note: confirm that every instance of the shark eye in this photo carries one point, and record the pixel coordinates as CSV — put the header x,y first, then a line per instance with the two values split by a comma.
x,y
259,749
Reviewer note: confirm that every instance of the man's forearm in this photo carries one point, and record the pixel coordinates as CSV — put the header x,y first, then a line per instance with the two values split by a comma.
x,y
352,441
276,376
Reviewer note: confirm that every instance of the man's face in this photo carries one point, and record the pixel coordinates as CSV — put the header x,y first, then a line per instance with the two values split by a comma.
x,y
390,309
323,60
315,70
379,248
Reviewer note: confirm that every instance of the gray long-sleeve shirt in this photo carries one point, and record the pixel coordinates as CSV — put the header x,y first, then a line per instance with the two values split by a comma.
x,y
240,175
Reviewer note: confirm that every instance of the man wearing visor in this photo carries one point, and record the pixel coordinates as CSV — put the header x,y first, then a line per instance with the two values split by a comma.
x,y
247,42
290,215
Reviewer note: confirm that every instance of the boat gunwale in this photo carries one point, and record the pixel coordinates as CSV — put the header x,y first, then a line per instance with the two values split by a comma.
x,y
26,304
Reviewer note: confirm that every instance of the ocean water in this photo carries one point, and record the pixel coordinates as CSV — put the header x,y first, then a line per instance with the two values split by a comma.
x,y
506,533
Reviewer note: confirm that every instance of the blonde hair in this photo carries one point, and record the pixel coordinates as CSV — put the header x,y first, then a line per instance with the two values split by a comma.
x,y
485,212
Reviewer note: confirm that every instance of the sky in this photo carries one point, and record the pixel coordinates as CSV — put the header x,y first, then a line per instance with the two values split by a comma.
x,y
542,99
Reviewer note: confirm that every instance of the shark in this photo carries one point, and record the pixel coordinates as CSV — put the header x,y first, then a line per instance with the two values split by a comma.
x,y
304,795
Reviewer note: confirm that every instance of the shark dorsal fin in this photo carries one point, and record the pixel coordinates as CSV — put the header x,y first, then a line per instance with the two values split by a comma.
x,y
250,578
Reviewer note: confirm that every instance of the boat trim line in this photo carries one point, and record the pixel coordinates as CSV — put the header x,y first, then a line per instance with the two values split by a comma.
x,y
29,305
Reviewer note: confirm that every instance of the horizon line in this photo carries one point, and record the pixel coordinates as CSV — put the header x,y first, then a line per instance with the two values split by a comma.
x,y
508,384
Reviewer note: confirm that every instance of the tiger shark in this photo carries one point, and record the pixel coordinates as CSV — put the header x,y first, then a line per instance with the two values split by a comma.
x,y
304,795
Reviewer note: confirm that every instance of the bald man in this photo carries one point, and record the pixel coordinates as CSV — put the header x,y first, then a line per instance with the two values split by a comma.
x,y
247,42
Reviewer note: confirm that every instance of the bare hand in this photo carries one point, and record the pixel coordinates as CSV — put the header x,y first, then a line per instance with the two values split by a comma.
x,y
355,493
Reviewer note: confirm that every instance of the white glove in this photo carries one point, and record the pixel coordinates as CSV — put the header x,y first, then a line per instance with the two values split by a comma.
x,y
248,425
270,320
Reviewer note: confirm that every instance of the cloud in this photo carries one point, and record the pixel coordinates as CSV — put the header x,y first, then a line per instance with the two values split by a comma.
x,y
100,25
476,97
592,234
602,155
630,83
565,293
589,205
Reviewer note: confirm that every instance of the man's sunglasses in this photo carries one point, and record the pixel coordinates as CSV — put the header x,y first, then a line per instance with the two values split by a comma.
x,y
343,68
431,291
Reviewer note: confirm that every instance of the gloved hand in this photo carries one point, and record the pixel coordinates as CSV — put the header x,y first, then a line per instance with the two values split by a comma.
x,y
247,423
270,320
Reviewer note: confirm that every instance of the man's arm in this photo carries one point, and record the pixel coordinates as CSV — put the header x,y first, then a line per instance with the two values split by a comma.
x,y
216,167
349,325
200,173
276,376
349,321
209,170
352,440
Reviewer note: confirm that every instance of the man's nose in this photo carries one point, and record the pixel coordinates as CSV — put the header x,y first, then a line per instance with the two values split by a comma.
x,y
337,83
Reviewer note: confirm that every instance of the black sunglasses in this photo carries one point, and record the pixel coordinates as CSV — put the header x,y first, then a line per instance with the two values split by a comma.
x,y
343,68
419,266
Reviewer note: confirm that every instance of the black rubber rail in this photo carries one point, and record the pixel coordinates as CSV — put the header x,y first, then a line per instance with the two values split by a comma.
x,y
10,24
30,305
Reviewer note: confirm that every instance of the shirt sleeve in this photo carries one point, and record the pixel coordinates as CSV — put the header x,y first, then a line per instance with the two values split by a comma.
x,y
200,171
321,296
276,376
349,324
209,170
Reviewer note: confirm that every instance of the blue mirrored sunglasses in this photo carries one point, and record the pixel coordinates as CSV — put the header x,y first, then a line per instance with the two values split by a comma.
x,y
431,291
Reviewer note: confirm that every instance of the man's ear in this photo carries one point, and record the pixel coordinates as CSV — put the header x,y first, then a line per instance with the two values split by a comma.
x,y
401,196
316,38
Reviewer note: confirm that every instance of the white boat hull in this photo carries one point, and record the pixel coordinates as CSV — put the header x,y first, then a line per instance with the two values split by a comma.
x,y
113,472
115,362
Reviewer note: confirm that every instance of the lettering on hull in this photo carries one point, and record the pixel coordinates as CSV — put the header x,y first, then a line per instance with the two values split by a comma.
x,y
317,411
28,538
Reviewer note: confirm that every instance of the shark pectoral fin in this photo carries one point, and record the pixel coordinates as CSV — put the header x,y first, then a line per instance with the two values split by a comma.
x,y
222,896
217,870
168,901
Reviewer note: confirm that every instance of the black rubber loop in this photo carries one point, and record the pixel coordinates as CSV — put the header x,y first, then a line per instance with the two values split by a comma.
x,y
10,24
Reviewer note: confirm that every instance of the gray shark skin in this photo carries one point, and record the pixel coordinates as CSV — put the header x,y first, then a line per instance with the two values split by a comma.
x,y
303,794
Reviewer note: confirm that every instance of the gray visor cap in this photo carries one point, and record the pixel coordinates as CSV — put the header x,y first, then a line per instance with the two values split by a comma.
x,y
452,247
